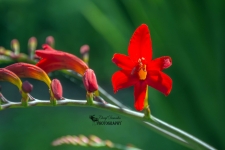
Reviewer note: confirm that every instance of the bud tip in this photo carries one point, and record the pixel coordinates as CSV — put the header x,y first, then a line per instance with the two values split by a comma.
x,y
50,41
84,49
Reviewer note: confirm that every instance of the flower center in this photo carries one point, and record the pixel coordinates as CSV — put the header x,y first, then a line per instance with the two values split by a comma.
x,y
142,73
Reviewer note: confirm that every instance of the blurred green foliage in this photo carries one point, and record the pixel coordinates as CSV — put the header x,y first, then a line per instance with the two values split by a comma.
x,y
190,31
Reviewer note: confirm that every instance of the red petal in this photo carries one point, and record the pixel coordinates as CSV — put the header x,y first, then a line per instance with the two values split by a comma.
x,y
55,60
160,63
160,81
140,94
140,44
121,79
123,61
49,66
45,63
48,53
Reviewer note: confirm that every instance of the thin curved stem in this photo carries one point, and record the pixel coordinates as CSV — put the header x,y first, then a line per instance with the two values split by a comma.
x,y
153,123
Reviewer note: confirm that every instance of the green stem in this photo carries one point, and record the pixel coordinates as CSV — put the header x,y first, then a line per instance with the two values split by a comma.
x,y
177,134
153,123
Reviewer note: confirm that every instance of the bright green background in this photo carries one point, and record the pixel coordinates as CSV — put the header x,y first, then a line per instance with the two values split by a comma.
x,y
191,32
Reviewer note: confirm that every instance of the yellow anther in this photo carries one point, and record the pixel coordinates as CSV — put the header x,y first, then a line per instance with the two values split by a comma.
x,y
142,73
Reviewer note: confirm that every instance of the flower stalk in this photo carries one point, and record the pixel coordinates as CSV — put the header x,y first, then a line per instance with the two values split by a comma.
x,y
25,99
147,112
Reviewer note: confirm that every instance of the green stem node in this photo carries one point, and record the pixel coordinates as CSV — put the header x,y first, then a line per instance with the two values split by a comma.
x,y
89,97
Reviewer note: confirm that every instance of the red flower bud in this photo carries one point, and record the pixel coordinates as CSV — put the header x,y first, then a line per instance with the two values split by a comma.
x,y
27,87
29,71
50,41
84,49
55,60
56,88
90,81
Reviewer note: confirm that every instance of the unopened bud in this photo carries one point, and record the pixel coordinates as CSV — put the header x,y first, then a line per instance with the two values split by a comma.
x,y
56,88
90,81
32,45
67,140
27,87
95,139
84,139
5,52
50,41
108,143
2,50
15,45
84,50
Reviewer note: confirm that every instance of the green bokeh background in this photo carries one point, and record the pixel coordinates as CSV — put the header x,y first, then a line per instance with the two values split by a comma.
x,y
191,32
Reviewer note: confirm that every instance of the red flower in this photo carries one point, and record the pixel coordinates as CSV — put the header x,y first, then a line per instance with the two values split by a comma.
x,y
139,70
55,60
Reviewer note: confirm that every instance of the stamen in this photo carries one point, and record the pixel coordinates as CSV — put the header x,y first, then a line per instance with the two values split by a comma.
x,y
142,73
140,62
